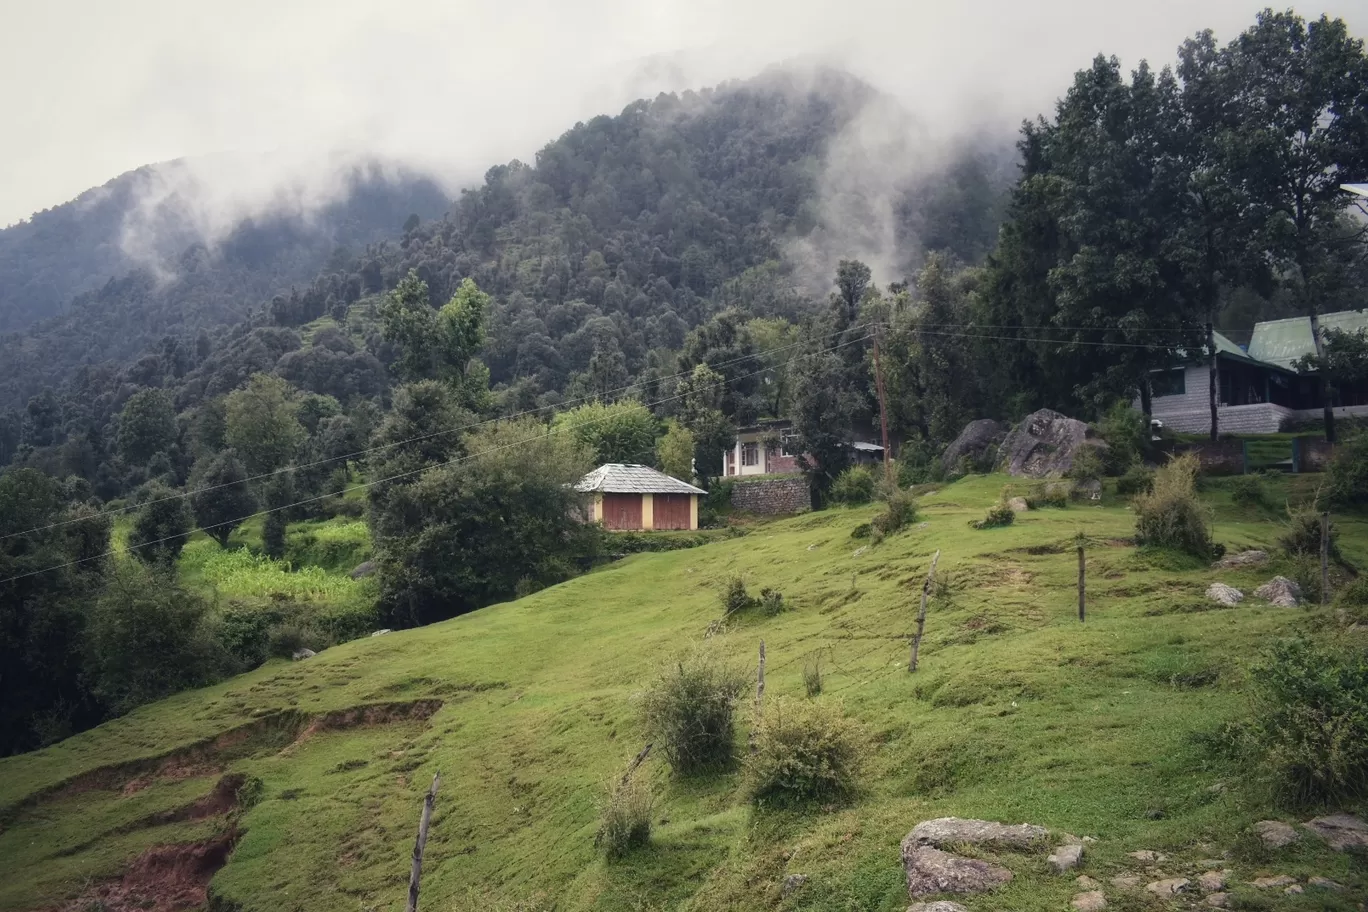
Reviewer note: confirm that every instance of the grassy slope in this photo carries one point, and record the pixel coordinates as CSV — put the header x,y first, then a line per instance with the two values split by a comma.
x,y
1019,713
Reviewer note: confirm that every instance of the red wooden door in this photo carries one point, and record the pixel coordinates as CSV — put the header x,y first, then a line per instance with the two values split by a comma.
x,y
671,511
622,511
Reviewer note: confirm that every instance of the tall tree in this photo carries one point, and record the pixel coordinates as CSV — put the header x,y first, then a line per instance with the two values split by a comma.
x,y
221,498
623,432
262,423
161,526
147,426
823,404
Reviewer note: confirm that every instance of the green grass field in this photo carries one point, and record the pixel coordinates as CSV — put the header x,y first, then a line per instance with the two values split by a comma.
x,y
1018,713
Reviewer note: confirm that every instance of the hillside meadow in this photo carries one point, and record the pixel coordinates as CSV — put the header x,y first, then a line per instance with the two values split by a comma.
x,y
313,772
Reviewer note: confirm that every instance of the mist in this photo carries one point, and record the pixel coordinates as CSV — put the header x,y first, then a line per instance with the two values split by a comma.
x,y
268,105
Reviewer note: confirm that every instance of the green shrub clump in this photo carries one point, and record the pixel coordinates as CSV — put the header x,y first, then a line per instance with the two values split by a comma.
x,y
1170,515
1088,464
853,486
625,818
1138,479
1302,535
1311,722
1249,491
1126,431
805,751
900,512
735,596
688,711
999,514
1347,474
1352,601
771,602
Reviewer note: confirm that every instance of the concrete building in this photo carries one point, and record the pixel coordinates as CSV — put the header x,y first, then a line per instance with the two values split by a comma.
x,y
638,498
1260,389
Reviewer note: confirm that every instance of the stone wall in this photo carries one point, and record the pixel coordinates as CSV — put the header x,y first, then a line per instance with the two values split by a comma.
x,y
772,496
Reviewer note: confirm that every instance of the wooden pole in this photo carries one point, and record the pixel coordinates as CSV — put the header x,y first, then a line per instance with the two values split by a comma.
x,y
1325,558
1213,381
883,413
632,767
759,698
921,613
1082,584
416,874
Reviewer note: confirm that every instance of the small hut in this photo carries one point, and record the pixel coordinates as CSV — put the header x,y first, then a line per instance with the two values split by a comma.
x,y
631,498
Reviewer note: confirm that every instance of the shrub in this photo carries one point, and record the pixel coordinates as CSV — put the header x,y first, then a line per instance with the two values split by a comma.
x,y
735,597
901,511
1127,434
999,514
1347,474
1171,515
805,751
1087,464
1352,601
771,602
285,639
863,530
1135,480
1311,723
812,676
625,819
1249,491
1054,495
1302,535
853,486
689,710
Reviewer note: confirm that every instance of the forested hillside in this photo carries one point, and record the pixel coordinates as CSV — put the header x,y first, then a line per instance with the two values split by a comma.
x,y
105,276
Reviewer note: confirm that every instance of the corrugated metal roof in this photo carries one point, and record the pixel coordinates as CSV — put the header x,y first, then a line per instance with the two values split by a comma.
x,y
1283,342
617,478
1360,189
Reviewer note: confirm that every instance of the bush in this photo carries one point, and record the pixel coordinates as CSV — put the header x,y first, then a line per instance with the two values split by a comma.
x,y
1352,601
999,514
1127,434
863,530
1302,535
901,511
1054,495
812,676
805,751
688,711
625,820
1171,515
735,597
285,639
853,486
1087,464
1347,474
771,602
1135,480
1311,723
1249,491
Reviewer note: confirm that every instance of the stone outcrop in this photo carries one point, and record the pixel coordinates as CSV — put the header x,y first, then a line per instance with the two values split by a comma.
x,y
1066,858
1280,591
1340,831
1275,834
978,441
931,871
1225,595
1242,559
943,831
1091,901
1044,444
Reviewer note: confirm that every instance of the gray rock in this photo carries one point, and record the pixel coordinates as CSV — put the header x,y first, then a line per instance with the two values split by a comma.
x,y
1018,505
303,654
1213,881
931,871
1275,834
1044,444
1148,857
381,632
1226,595
1340,831
1086,883
1295,890
1089,489
1269,883
363,570
1125,882
979,441
1066,858
941,905
1251,558
944,831
1280,591
1168,887
793,882
1324,883
1092,901
1218,900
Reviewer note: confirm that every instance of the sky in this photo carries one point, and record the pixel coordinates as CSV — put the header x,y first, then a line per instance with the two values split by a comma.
x,y
266,91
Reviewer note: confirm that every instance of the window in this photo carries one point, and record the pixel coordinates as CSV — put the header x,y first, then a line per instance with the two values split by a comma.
x,y
788,444
750,454
1168,383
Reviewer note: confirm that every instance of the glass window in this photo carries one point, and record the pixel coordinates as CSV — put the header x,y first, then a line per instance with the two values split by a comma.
x,y
750,454
788,443
1169,383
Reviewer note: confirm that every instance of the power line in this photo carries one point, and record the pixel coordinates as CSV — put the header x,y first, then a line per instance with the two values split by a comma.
x,y
369,484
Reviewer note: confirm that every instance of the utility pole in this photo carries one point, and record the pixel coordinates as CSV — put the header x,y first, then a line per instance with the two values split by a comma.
x,y
1215,382
883,412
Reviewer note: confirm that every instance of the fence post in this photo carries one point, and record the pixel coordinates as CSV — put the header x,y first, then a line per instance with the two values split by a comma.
x,y
1082,584
416,874
921,613
1325,558
759,698
632,767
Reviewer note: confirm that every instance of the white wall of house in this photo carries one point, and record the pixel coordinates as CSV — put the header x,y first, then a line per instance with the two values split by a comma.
x,y
1189,412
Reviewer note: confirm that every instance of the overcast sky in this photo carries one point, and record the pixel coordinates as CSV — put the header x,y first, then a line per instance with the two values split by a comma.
x,y
92,88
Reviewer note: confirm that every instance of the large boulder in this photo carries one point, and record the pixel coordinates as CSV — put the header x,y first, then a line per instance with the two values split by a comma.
x,y
978,441
930,871
943,831
1044,444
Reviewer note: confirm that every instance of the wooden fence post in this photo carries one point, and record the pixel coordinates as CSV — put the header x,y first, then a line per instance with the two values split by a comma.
x,y
759,698
1325,558
1082,584
921,613
632,767
416,874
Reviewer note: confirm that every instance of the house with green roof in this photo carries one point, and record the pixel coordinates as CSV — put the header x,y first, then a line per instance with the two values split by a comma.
x,y
1261,390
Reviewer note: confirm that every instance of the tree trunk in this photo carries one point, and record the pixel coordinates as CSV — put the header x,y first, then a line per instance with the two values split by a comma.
x,y
1327,390
1214,382
1146,397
